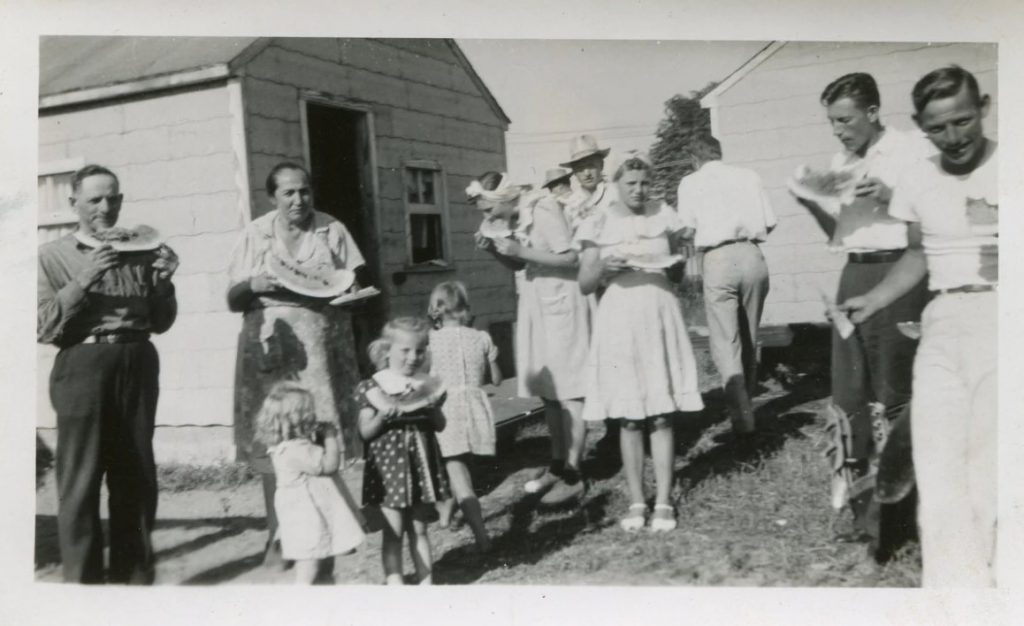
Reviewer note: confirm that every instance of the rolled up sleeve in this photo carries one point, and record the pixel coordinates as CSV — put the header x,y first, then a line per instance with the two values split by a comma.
x,y
56,305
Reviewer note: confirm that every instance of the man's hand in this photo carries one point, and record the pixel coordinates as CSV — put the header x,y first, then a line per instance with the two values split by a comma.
x,y
875,189
99,260
166,263
860,308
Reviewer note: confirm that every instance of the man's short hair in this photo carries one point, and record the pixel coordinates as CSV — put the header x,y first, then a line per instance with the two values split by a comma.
x,y
91,170
859,87
944,82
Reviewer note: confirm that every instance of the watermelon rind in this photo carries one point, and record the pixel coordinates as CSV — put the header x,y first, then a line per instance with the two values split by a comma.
x,y
306,282
147,239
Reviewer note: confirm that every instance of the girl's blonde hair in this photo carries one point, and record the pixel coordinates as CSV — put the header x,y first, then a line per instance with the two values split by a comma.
x,y
378,349
288,412
449,299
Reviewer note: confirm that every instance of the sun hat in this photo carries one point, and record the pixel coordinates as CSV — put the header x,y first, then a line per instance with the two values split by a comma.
x,y
554,175
582,147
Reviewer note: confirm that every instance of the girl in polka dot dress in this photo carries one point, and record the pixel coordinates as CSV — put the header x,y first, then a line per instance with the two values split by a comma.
x,y
398,417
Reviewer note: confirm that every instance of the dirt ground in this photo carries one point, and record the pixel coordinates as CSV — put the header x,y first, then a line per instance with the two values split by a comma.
x,y
760,518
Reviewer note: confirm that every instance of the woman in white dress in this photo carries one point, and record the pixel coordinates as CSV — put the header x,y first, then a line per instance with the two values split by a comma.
x,y
552,320
641,369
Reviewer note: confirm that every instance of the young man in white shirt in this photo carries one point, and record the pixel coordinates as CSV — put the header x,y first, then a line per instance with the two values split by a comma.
x,y
950,204
871,369
728,207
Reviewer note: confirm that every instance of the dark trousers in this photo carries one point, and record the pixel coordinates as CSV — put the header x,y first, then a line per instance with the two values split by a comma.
x,y
105,397
876,363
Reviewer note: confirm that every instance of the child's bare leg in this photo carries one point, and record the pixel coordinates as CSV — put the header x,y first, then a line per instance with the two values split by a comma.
x,y
306,571
462,488
631,443
391,546
419,548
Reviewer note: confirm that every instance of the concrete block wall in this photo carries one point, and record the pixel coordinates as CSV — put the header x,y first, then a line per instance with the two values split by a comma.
x,y
772,122
425,107
173,155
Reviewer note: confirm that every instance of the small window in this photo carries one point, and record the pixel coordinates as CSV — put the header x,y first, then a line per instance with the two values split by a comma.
x,y
54,185
424,197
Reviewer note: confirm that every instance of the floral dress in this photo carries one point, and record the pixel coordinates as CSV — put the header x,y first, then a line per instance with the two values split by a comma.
x,y
287,336
403,463
460,356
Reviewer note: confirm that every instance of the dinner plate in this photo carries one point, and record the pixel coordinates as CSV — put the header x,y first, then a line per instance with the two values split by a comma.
x,y
356,296
654,262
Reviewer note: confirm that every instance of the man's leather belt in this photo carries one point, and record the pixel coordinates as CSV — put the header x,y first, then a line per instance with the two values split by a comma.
x,y
877,256
967,289
128,336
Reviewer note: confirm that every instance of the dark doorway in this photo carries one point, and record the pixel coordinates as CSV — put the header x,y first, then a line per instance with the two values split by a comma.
x,y
341,165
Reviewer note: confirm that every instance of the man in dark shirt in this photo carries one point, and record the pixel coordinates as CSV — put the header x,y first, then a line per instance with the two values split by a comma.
x,y
99,306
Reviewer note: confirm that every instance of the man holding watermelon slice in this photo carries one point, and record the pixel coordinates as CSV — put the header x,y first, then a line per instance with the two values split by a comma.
x,y
99,302
871,368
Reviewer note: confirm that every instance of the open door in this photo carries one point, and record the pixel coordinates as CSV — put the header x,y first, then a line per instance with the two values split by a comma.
x,y
340,142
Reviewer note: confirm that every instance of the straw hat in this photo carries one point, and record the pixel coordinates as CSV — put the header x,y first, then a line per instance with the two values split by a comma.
x,y
582,147
555,175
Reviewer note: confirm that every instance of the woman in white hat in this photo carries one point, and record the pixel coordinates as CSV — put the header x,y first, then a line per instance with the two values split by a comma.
x,y
553,320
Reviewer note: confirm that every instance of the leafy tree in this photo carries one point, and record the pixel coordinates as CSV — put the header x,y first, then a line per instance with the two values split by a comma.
x,y
685,131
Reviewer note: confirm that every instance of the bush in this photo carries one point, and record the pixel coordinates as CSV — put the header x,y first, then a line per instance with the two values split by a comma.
x,y
175,477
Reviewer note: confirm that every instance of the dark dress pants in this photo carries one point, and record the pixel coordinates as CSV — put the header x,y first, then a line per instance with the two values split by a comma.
x,y
105,396
876,363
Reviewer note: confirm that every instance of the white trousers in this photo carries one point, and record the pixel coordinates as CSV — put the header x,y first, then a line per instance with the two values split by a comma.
x,y
954,412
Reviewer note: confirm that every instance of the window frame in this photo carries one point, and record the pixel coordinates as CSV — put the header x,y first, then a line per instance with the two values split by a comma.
x,y
66,215
439,208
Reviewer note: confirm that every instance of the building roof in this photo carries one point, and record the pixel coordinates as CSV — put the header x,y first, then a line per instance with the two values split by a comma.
x,y
76,63
711,98
79,69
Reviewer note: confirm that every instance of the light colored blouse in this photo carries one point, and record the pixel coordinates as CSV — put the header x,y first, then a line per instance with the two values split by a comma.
x,y
328,245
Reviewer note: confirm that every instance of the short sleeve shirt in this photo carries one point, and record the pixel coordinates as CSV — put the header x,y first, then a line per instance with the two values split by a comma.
x,y
724,202
864,225
959,218
328,245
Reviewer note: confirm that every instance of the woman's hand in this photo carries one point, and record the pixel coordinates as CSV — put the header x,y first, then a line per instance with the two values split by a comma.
x,y
481,242
612,267
508,247
264,283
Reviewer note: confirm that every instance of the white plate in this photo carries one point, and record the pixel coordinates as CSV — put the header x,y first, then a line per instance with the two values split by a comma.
x,y
307,283
152,241
655,263
356,296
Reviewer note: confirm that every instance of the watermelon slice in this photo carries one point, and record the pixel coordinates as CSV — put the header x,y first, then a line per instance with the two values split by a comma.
x,y
827,188
418,395
495,228
310,282
138,238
